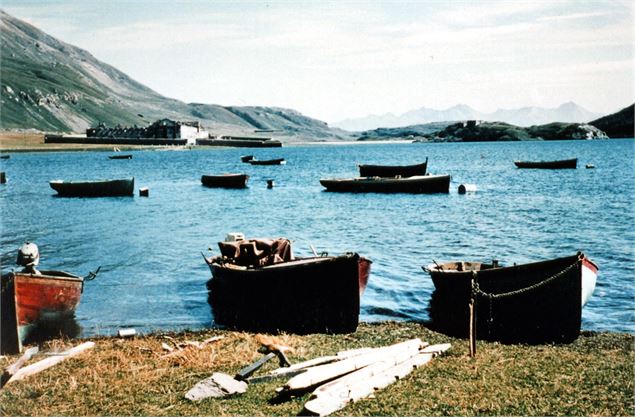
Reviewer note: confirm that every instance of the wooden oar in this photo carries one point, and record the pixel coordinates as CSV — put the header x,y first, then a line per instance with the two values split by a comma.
x,y
12,369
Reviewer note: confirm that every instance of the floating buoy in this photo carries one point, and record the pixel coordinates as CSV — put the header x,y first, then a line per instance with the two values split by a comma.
x,y
144,192
589,166
270,183
3,178
467,188
127,332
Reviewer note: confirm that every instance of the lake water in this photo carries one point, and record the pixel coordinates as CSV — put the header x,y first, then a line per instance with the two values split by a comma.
x,y
153,276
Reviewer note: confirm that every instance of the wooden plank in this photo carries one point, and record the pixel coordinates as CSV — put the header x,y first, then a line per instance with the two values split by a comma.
x,y
323,373
49,362
336,394
11,370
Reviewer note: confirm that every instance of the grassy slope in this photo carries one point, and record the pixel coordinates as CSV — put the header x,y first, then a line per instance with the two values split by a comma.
x,y
593,376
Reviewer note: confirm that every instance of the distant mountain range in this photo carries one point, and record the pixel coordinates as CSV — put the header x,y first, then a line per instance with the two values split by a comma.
x,y
526,116
49,85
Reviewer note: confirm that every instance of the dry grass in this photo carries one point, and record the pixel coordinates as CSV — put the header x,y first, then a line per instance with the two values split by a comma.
x,y
593,376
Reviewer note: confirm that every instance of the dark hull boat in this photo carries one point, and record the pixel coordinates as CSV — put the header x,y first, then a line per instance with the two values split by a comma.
x,y
99,188
225,180
257,285
277,161
562,164
246,158
531,303
43,302
126,156
393,170
416,184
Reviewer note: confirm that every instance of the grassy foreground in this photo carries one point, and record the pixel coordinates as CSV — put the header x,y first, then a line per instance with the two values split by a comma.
x,y
592,376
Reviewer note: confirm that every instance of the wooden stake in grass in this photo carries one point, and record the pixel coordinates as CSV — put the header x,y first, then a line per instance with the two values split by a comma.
x,y
473,317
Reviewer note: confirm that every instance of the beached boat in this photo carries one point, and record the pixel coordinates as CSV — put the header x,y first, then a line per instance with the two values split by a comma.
x,y
225,180
561,164
98,188
258,285
393,170
533,303
37,301
416,184
125,156
277,161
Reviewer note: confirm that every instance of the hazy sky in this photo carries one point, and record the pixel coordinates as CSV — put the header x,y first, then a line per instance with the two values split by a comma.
x,y
338,59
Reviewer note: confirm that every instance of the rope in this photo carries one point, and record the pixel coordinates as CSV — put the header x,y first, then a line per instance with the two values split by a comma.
x,y
476,290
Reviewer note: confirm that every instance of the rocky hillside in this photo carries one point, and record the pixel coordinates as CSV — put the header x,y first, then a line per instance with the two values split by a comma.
x,y
618,125
486,131
49,85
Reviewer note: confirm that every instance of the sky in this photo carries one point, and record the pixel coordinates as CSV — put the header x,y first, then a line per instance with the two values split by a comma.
x,y
334,60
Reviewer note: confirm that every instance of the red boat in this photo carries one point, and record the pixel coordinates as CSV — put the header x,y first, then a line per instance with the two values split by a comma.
x,y
33,299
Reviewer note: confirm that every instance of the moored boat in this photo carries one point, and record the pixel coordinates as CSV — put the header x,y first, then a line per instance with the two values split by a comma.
x,y
225,180
417,184
560,164
277,161
393,170
246,158
98,188
258,285
36,301
533,303
124,156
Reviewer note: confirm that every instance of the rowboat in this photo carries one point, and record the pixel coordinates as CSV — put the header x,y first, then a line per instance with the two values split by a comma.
x,y
393,170
225,180
416,184
125,156
532,303
258,285
98,188
277,161
36,302
561,164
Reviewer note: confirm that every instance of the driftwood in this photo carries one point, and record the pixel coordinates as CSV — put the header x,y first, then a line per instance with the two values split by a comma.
x,y
335,395
319,374
217,385
50,361
11,370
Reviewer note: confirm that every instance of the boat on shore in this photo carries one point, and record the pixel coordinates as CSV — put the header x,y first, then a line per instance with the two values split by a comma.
x,y
124,156
277,161
538,302
393,170
35,302
416,184
99,188
258,285
225,180
560,164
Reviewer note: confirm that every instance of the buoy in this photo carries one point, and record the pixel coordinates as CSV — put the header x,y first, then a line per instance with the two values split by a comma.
x,y
467,188
270,183
589,166
144,192
3,178
127,332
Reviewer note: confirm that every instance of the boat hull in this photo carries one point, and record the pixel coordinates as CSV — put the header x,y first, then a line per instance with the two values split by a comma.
x,y
225,181
43,301
278,161
393,170
101,188
415,185
532,303
127,156
311,295
562,164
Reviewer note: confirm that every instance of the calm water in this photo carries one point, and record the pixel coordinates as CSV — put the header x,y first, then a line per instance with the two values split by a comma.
x,y
153,276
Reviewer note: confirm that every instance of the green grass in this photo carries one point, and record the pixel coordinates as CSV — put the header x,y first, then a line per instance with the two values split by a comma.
x,y
592,376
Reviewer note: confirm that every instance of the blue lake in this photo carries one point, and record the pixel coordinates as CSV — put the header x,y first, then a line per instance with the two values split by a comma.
x,y
153,276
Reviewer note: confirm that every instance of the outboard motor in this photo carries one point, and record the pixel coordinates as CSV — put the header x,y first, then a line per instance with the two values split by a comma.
x,y
28,256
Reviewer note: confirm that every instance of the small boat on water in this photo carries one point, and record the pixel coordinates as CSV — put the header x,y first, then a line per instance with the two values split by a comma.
x,y
531,303
225,180
393,170
124,156
258,285
277,161
417,184
5,156
246,158
37,301
98,188
561,164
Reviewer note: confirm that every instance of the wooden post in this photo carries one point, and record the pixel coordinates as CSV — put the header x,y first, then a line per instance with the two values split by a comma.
x,y
473,317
